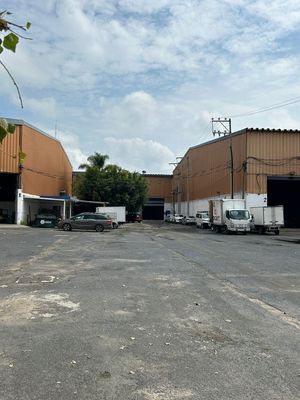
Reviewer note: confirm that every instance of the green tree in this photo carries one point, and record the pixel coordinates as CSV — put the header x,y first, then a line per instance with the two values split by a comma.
x,y
95,161
111,183
9,39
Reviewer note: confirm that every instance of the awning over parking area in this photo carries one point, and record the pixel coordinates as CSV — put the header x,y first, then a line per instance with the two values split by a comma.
x,y
30,205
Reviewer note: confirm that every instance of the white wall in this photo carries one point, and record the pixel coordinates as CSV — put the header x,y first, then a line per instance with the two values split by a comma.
x,y
168,207
252,200
20,207
23,208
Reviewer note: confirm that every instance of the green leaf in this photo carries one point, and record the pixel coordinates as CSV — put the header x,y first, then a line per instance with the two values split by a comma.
x,y
10,42
1,49
28,25
22,157
11,128
3,133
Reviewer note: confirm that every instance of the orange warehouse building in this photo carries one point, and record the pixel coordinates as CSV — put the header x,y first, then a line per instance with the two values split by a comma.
x,y
159,196
35,174
259,165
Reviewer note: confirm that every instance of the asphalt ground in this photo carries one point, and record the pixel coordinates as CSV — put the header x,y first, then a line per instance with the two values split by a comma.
x,y
149,311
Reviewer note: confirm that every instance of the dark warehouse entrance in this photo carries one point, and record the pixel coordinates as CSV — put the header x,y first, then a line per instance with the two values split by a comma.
x,y
8,187
285,190
154,209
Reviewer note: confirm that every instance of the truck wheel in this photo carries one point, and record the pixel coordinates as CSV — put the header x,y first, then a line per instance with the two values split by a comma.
x,y
277,232
260,230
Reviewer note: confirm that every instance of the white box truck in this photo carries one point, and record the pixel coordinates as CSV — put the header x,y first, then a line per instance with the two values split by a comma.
x,y
117,214
229,215
267,219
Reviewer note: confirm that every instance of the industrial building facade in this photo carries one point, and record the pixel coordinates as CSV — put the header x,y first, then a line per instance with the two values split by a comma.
x,y
159,196
260,165
35,174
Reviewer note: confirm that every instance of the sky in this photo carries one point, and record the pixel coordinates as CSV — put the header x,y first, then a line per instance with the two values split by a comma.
x,y
140,80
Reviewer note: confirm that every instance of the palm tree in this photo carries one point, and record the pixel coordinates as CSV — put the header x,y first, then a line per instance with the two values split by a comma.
x,y
96,161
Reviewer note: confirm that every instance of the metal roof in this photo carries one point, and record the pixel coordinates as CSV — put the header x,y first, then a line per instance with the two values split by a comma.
x,y
271,130
241,132
161,175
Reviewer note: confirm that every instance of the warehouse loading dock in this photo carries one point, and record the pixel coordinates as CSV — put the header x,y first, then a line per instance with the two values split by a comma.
x,y
285,190
154,209
8,186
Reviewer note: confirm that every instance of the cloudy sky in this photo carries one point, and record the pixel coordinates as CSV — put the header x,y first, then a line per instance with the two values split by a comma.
x,y
140,80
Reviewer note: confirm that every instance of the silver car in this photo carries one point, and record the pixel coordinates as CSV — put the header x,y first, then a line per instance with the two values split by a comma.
x,y
86,221
188,220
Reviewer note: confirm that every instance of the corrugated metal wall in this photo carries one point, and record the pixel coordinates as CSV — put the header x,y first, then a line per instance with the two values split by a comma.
x,y
160,186
204,171
47,170
271,153
9,153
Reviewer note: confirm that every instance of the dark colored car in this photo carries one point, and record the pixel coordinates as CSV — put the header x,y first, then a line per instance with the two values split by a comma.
x,y
45,221
134,217
86,221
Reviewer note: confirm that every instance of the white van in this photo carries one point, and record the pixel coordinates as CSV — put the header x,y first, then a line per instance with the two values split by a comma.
x,y
202,220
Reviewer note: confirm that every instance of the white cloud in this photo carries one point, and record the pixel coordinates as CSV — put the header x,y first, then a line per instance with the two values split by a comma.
x,y
154,70
71,144
45,106
285,14
137,154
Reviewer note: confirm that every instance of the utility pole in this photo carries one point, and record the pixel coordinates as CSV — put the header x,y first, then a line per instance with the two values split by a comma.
x,y
225,124
188,187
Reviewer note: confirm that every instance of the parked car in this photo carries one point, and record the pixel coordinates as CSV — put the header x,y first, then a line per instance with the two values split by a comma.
x,y
169,218
188,220
134,217
45,221
112,216
202,220
177,218
86,221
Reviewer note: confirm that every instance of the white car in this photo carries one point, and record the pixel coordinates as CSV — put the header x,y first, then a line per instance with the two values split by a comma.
x,y
177,218
190,220
202,220
169,218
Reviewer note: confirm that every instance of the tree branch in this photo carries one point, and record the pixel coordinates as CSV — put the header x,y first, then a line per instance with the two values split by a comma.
x,y
18,26
16,33
15,83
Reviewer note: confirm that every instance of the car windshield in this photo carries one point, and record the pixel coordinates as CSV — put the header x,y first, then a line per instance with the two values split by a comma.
x,y
239,214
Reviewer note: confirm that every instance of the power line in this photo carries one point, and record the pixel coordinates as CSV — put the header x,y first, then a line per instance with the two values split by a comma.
x,y
287,102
